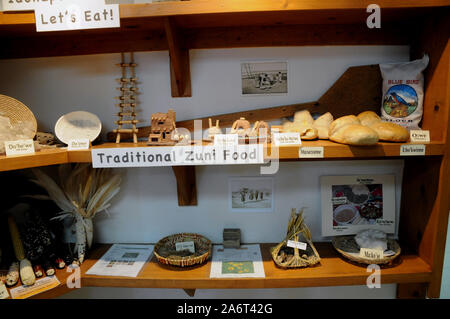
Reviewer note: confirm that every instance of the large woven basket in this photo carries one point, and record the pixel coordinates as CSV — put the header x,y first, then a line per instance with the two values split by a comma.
x,y
16,111
347,247
166,253
297,230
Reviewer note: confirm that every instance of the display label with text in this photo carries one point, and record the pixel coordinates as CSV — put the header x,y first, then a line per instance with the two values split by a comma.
x,y
371,253
412,150
79,144
280,139
419,136
311,152
21,147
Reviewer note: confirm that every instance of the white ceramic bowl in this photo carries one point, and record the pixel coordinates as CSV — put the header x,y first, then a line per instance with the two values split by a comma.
x,y
340,209
78,125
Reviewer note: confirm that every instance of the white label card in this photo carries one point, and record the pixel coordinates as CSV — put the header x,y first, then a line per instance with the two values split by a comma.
x,y
226,139
280,139
80,144
311,152
412,150
371,253
419,136
186,245
3,292
297,244
21,147
28,5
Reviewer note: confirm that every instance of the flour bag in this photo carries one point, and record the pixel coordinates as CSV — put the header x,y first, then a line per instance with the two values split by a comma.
x,y
403,92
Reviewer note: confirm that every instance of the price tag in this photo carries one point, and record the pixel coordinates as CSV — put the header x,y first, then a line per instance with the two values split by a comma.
x,y
280,139
419,136
297,244
226,139
311,152
21,147
412,150
371,253
339,200
186,245
3,292
79,144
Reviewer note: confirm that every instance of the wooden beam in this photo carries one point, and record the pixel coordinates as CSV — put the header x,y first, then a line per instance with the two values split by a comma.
x,y
180,77
186,185
412,291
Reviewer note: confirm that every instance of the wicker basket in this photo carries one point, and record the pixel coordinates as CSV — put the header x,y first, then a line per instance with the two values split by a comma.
x,y
17,112
347,247
305,258
166,253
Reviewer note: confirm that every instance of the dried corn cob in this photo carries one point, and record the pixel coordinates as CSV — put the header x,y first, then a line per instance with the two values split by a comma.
x,y
48,267
26,270
13,274
38,271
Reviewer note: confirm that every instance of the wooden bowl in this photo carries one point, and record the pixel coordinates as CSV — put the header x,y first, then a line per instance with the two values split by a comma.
x,y
166,253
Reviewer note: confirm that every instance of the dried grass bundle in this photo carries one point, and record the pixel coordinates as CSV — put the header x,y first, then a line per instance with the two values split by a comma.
x,y
296,229
80,192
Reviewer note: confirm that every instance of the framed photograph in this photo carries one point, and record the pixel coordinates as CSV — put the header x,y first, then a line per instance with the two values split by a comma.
x,y
250,194
261,78
354,203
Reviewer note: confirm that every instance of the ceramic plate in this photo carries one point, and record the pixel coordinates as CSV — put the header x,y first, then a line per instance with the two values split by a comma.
x,y
78,125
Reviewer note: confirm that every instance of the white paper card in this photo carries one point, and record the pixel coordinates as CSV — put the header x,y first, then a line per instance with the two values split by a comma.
x,y
232,257
177,155
226,139
371,253
20,147
297,244
280,139
3,292
28,5
79,144
311,152
412,150
185,245
122,260
419,136
60,17
39,286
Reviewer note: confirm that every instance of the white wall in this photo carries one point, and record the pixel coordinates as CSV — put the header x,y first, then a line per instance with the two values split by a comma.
x,y
146,209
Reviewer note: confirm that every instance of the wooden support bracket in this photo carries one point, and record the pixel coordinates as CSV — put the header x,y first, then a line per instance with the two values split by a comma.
x,y
190,292
180,73
186,185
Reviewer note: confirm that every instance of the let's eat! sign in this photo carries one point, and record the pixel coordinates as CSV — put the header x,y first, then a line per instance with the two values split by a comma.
x,y
60,15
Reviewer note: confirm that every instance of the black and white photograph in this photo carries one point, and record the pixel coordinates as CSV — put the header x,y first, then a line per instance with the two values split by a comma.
x,y
251,194
264,77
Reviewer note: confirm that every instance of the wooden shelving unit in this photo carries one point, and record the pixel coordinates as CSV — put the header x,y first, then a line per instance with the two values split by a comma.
x,y
203,24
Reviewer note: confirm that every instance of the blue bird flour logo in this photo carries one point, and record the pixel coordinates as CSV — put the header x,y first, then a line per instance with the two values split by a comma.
x,y
400,101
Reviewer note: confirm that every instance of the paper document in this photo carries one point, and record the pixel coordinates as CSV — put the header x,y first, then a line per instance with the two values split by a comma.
x,y
122,260
237,263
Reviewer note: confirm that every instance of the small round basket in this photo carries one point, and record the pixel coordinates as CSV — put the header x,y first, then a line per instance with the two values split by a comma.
x,y
165,250
347,247
17,112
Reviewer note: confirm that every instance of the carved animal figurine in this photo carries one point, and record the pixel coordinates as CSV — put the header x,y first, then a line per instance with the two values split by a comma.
x,y
213,130
162,126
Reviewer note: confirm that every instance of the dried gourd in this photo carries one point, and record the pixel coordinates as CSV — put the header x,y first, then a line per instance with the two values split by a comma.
x,y
13,274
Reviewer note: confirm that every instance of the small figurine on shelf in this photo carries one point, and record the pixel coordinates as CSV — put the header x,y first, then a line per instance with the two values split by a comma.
x,y
163,124
241,127
260,132
213,130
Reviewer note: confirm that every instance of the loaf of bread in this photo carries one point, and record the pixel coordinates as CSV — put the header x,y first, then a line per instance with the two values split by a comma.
x,y
306,131
348,130
386,131
322,125
303,117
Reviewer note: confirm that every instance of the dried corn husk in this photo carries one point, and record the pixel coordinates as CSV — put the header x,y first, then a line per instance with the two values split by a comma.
x,y
297,227
81,192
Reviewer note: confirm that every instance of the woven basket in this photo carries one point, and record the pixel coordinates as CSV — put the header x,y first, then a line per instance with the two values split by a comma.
x,y
304,258
347,247
17,112
166,253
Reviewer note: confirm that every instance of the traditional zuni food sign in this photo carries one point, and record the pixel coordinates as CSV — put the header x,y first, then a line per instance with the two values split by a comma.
x,y
177,155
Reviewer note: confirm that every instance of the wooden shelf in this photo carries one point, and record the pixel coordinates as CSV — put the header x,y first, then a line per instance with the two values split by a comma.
x,y
47,157
333,271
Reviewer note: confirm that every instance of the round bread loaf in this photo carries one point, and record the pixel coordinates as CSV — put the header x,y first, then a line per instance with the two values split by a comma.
x,y
355,134
368,118
341,122
390,132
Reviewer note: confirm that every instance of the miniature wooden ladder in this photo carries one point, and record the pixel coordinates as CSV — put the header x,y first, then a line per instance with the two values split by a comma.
x,y
127,99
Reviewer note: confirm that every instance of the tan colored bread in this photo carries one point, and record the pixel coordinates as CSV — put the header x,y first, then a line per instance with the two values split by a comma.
x,y
355,134
341,122
391,132
303,117
322,124
368,118
307,131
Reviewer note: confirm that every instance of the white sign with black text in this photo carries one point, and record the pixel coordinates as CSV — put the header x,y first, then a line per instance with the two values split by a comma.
x,y
419,136
79,144
177,156
280,139
21,147
412,150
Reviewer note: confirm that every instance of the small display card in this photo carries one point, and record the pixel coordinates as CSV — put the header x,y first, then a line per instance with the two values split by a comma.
x,y
419,136
3,292
412,150
79,144
371,253
311,152
186,245
226,139
280,139
20,147
39,286
297,244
